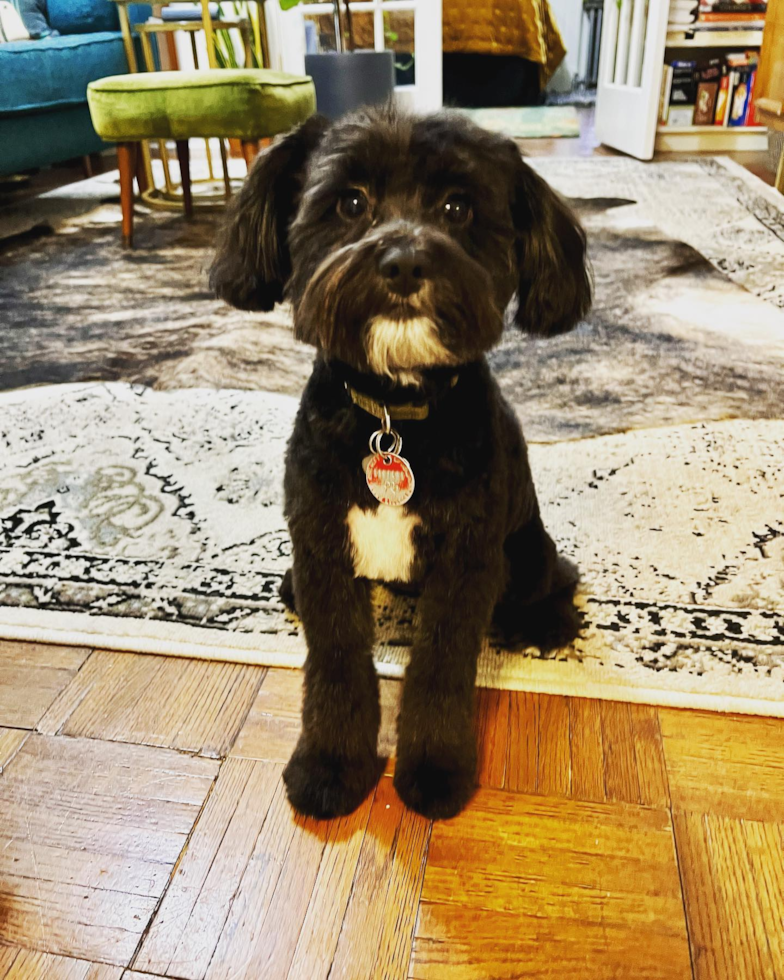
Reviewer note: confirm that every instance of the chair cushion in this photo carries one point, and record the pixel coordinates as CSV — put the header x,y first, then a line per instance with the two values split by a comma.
x,y
244,103
55,71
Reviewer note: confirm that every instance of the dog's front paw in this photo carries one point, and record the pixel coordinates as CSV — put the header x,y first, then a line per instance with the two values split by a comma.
x,y
436,784
324,785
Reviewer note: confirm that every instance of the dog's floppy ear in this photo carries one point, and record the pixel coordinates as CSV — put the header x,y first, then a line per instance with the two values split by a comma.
x,y
252,263
554,292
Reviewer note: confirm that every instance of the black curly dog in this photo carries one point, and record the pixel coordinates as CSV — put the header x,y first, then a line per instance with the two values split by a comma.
x,y
400,241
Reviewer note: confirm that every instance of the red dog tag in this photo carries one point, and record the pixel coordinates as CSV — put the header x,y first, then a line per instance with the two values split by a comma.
x,y
390,478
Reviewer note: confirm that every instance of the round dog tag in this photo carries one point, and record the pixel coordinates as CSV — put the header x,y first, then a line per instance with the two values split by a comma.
x,y
390,478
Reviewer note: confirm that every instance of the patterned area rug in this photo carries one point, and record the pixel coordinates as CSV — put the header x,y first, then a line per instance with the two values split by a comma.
x,y
150,520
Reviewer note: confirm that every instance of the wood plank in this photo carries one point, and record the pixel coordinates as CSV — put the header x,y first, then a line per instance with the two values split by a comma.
x,y
272,727
127,873
649,755
764,845
731,765
132,770
31,677
273,724
188,924
239,941
193,705
7,956
11,740
270,951
492,733
241,897
35,965
553,769
522,764
583,749
89,834
587,748
320,931
528,886
733,882
621,781
72,920
466,946
377,932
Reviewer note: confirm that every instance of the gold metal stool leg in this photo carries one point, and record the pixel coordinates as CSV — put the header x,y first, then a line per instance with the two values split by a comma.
x,y
141,170
225,162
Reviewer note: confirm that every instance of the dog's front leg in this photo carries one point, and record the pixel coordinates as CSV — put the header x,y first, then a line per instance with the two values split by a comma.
x,y
335,763
436,761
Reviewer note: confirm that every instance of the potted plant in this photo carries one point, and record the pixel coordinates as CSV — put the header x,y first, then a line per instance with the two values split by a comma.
x,y
347,78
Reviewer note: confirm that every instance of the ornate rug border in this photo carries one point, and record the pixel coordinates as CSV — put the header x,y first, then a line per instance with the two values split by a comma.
x,y
268,650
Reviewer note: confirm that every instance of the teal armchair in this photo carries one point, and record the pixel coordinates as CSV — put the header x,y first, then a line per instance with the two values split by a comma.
x,y
43,99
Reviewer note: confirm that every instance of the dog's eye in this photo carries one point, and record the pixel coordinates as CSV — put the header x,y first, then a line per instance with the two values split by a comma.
x,y
353,203
457,209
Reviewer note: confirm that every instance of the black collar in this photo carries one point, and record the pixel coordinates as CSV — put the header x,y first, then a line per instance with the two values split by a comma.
x,y
378,396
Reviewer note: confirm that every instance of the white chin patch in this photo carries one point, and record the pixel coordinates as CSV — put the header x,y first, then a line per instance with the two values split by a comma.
x,y
397,348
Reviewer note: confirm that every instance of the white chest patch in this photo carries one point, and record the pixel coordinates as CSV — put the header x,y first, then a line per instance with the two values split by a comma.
x,y
382,542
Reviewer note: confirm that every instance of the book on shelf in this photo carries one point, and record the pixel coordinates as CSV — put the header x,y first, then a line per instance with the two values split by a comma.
x,y
715,91
664,99
727,10
722,100
682,94
729,15
708,80
683,14
731,7
746,11
742,107
731,22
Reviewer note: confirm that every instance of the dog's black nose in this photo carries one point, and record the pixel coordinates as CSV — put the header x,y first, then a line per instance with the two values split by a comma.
x,y
405,268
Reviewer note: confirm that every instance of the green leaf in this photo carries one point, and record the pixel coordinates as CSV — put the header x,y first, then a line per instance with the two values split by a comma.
x,y
288,4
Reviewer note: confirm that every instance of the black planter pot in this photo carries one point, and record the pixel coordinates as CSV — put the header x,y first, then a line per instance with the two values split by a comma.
x,y
352,79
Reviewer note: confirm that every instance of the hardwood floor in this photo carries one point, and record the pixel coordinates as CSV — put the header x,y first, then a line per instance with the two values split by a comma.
x,y
144,832
586,145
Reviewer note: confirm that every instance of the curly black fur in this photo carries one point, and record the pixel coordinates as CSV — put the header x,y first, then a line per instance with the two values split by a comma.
x,y
480,547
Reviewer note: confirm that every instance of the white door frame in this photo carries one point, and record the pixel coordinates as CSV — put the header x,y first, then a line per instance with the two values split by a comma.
x,y
630,74
287,43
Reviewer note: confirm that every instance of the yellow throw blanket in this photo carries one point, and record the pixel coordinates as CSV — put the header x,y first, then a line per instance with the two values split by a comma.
x,y
525,28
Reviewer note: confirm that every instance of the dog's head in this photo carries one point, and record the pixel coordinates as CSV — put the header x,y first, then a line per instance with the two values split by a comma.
x,y
401,240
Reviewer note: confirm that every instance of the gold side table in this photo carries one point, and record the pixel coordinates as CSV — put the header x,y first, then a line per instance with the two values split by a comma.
x,y
170,196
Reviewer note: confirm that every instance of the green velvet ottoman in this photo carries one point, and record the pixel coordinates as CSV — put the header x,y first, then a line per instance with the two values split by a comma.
x,y
248,104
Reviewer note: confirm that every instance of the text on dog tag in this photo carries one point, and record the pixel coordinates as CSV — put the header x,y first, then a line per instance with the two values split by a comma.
x,y
389,478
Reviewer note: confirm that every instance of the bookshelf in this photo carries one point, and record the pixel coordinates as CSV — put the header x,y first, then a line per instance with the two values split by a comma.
x,y
714,39
638,39
690,139
718,139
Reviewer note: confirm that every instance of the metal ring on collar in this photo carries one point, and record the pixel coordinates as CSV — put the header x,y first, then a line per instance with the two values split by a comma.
x,y
375,442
